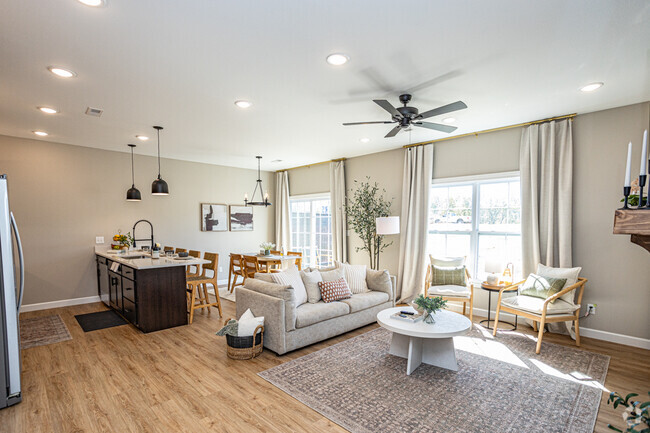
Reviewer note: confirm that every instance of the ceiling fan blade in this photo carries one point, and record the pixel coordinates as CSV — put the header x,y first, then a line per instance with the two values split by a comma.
x,y
436,126
393,132
365,123
387,106
458,105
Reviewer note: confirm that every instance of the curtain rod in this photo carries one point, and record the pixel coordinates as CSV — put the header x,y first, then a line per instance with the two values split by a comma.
x,y
534,122
309,165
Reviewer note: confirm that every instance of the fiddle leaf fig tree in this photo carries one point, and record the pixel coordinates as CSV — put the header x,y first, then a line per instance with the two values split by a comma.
x,y
365,204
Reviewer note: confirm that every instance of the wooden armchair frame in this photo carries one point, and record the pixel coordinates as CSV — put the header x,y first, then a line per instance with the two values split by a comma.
x,y
463,299
543,319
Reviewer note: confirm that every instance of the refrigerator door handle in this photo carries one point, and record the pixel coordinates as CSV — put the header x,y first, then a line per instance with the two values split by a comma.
x,y
19,246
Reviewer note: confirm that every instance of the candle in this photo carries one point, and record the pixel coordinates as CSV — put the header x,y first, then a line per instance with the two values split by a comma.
x,y
246,196
628,166
644,154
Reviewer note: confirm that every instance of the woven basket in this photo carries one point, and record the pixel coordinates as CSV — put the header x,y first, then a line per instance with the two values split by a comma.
x,y
245,347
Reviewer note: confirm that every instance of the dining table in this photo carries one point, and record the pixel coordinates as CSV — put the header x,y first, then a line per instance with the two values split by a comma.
x,y
285,260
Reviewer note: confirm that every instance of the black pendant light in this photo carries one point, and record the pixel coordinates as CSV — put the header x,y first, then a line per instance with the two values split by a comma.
x,y
264,198
133,194
159,186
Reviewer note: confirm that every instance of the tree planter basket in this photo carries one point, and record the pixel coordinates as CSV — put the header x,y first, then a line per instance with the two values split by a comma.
x,y
245,347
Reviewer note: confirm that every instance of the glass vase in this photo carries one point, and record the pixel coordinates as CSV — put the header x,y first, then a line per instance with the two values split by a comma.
x,y
428,317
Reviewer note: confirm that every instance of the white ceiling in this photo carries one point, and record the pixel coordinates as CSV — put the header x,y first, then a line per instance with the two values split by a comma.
x,y
182,64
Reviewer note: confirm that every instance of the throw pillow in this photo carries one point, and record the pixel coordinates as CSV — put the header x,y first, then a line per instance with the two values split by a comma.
x,y
571,275
332,275
355,276
445,276
334,290
247,324
291,277
311,280
541,287
447,262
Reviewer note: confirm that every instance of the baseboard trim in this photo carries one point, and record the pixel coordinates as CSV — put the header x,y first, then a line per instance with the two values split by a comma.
x,y
626,340
59,304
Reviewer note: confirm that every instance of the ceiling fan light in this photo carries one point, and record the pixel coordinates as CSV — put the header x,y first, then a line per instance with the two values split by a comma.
x,y
448,120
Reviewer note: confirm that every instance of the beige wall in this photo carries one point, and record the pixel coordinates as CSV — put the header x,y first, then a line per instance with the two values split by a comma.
x,y
63,196
309,180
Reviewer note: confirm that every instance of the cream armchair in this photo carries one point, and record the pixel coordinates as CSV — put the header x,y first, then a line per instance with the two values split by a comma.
x,y
464,294
542,311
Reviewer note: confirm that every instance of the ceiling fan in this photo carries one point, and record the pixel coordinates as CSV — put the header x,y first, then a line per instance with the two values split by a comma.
x,y
406,116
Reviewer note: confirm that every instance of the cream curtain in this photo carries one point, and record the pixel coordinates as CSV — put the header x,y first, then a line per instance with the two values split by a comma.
x,y
416,185
282,211
339,224
546,167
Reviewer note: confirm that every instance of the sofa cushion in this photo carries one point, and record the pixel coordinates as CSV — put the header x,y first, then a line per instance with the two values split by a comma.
x,y
311,280
535,305
355,276
379,281
264,276
331,274
308,314
361,301
449,290
292,278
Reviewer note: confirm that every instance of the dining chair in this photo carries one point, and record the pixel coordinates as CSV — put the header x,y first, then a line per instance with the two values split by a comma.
x,y
194,269
165,249
181,250
271,265
298,258
251,266
197,286
235,271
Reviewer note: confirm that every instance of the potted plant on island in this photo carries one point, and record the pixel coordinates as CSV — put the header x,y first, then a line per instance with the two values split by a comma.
x,y
428,307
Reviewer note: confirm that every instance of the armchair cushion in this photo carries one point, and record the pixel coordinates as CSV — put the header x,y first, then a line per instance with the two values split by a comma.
x,y
535,305
447,262
541,287
449,290
571,275
442,276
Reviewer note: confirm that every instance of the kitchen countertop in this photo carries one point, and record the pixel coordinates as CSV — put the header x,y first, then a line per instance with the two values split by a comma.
x,y
147,262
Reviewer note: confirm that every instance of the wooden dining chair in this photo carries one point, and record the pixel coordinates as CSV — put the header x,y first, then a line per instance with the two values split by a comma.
x,y
180,250
165,249
235,271
271,265
194,269
251,266
298,259
197,286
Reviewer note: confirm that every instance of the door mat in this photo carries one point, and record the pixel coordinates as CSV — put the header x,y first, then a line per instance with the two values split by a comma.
x,y
100,320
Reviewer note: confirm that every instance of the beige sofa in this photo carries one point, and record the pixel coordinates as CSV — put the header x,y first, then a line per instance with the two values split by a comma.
x,y
287,327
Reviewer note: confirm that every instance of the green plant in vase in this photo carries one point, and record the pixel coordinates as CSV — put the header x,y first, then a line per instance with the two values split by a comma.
x,y
636,415
429,306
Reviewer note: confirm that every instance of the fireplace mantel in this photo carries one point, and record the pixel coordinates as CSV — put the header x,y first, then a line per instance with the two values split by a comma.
x,y
635,223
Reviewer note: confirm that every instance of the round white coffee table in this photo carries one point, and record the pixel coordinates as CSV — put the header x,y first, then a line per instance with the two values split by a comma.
x,y
421,342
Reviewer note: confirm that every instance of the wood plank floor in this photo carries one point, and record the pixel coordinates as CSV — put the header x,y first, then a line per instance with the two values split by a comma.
x,y
180,380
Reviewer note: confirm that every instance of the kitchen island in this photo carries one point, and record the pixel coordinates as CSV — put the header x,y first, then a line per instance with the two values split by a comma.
x,y
149,293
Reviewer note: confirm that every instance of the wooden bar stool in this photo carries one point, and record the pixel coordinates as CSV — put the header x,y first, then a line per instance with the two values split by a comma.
x,y
199,283
236,270
298,258
197,268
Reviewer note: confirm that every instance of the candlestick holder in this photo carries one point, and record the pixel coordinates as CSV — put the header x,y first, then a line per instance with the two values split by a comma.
x,y
626,194
647,204
642,179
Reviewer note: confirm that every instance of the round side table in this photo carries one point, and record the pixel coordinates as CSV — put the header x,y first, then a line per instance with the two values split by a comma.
x,y
492,289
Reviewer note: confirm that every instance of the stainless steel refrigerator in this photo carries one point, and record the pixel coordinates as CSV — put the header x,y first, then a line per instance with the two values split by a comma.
x,y
11,296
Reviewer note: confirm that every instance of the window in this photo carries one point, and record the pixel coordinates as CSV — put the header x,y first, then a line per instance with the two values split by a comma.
x,y
311,229
478,219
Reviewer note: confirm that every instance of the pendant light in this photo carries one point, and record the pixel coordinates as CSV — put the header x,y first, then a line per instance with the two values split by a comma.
x,y
133,194
159,186
264,198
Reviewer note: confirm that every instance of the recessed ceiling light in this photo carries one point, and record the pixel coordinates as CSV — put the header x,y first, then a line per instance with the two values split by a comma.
x,y
48,110
337,59
142,137
449,120
40,133
93,3
365,140
60,72
243,104
591,87
277,160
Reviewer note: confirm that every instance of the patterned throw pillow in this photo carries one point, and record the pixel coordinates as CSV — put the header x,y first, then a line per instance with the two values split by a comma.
x,y
542,287
448,276
334,290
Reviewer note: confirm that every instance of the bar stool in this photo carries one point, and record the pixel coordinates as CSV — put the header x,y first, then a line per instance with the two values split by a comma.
x,y
236,270
298,256
195,254
199,283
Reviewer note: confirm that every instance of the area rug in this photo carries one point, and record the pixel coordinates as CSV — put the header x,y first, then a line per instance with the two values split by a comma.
x,y
99,320
225,294
501,386
39,331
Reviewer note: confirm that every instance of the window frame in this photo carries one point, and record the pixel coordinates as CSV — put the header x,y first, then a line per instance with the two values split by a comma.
x,y
475,181
311,197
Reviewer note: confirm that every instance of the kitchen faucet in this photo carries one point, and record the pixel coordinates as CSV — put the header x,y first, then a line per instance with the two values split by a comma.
x,y
135,240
